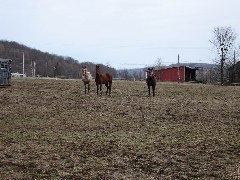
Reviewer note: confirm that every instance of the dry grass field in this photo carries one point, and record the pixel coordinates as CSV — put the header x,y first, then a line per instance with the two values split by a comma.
x,y
51,130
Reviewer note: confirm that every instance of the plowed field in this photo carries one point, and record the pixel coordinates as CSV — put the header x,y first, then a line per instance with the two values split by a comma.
x,y
49,129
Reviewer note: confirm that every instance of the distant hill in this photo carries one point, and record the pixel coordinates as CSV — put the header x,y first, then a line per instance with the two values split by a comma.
x,y
50,65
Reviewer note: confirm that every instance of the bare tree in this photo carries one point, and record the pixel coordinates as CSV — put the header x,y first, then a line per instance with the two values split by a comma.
x,y
223,40
158,64
124,74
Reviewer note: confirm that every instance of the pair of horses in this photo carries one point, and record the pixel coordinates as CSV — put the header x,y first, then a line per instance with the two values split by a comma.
x,y
107,80
100,79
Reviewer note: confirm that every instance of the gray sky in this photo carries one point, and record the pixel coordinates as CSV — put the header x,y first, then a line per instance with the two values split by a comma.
x,y
122,33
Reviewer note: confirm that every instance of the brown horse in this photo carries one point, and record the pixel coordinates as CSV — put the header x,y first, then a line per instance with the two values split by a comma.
x,y
151,81
103,79
86,78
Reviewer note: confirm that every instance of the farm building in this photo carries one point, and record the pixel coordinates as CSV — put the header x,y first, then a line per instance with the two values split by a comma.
x,y
5,72
176,74
234,73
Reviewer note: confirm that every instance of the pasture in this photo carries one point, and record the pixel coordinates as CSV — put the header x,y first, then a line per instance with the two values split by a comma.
x,y
51,130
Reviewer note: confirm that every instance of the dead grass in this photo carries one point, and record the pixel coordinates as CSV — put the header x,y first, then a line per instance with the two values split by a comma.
x,y
51,130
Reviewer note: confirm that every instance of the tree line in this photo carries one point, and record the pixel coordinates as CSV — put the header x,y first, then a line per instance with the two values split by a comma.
x,y
47,65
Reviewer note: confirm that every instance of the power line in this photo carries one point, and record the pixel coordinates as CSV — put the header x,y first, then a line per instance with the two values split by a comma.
x,y
132,64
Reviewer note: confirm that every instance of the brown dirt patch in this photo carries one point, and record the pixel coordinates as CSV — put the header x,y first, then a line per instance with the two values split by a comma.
x,y
51,130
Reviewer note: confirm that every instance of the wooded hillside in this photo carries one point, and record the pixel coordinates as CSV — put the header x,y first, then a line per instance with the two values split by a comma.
x,y
47,64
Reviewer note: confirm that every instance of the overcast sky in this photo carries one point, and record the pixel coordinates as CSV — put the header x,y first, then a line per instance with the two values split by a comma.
x,y
122,33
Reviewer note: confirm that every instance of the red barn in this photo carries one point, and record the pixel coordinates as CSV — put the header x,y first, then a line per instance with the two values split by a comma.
x,y
175,74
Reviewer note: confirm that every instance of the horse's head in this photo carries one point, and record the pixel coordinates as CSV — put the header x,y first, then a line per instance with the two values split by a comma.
x,y
150,72
84,70
97,69
86,76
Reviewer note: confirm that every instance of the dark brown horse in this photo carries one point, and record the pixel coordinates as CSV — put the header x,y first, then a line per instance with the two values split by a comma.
x,y
86,78
151,81
103,79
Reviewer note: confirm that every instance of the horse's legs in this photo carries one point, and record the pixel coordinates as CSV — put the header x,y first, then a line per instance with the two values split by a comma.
x,y
88,87
110,87
106,84
153,88
97,88
101,89
85,86
148,90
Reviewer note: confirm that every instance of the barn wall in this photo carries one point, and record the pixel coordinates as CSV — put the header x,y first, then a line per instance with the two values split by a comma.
x,y
171,74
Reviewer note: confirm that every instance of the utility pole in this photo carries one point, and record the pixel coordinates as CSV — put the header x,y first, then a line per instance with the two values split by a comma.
x,y
23,64
34,68
178,70
234,68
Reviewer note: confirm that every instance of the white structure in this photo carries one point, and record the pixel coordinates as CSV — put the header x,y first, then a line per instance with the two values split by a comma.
x,y
18,75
